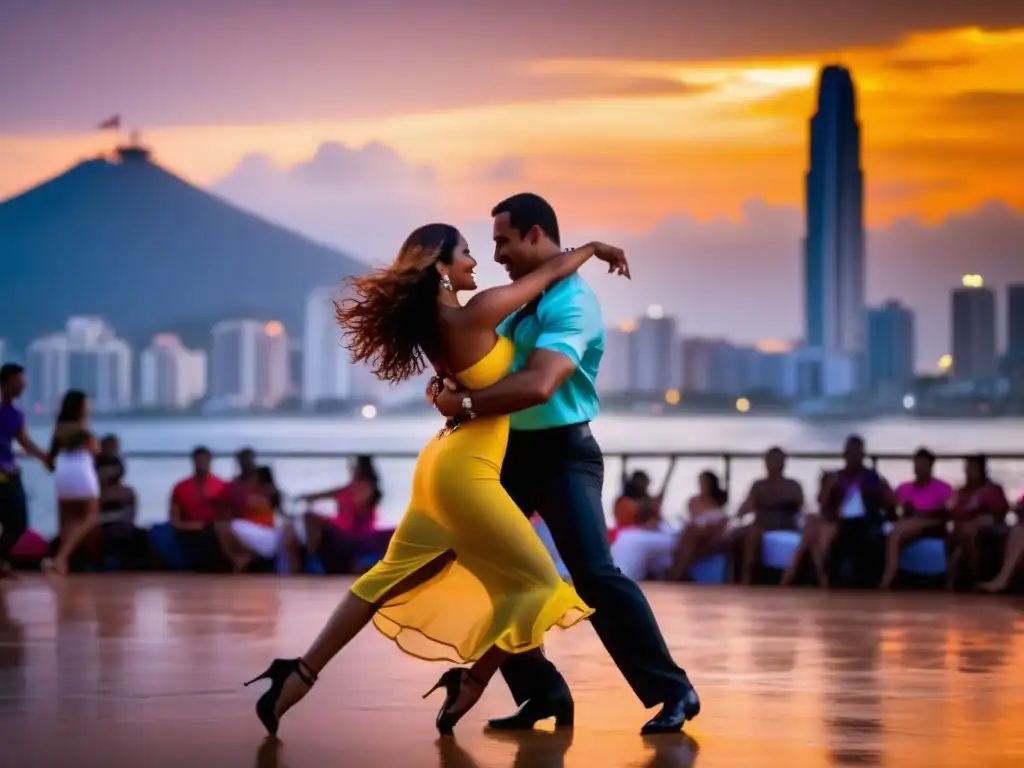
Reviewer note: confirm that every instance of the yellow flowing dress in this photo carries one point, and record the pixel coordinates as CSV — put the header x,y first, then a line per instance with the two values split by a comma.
x,y
502,588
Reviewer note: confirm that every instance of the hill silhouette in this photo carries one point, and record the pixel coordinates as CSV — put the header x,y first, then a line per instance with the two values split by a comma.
x,y
125,239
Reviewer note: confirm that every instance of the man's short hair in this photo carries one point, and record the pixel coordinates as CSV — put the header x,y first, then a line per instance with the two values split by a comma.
x,y
8,371
527,210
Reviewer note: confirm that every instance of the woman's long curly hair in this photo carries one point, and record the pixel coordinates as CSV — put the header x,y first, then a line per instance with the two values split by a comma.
x,y
390,318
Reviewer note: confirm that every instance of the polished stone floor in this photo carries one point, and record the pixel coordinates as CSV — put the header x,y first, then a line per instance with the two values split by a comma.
x,y
147,670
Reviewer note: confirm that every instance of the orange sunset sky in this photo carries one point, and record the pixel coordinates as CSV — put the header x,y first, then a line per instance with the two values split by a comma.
x,y
624,128
676,129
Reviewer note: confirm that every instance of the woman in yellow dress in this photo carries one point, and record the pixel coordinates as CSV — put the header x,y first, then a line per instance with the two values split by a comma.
x,y
465,578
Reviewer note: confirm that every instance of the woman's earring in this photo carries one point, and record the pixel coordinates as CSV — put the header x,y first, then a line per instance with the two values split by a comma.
x,y
446,283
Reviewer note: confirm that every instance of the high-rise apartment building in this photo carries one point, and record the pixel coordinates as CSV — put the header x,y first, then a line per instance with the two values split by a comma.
x,y
615,374
974,331
890,347
249,365
1015,333
171,376
86,356
654,354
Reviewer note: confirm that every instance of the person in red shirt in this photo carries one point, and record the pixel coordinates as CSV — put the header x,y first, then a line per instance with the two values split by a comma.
x,y
978,506
193,507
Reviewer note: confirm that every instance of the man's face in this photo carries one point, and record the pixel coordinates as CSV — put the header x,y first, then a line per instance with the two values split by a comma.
x,y
514,250
15,387
854,453
110,446
775,462
201,463
246,463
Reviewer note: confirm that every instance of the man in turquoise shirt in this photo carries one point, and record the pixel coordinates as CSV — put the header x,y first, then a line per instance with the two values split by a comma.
x,y
553,465
567,321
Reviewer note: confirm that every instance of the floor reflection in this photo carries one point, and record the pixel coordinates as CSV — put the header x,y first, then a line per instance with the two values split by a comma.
x,y
126,667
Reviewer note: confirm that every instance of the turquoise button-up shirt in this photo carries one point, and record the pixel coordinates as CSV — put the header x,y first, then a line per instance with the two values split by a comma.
x,y
568,321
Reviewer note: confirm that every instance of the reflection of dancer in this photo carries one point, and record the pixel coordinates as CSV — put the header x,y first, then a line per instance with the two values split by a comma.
x,y
13,506
465,577
555,467
73,451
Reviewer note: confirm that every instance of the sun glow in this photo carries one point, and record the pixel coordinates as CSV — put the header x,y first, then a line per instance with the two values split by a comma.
x,y
942,113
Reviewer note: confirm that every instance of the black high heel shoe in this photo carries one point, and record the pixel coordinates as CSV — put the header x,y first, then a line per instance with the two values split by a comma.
x,y
452,681
278,673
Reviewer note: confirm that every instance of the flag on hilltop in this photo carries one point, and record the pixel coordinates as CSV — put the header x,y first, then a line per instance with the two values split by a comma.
x,y
110,124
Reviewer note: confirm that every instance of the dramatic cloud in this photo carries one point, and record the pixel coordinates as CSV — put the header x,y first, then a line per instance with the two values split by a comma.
x,y
743,279
365,200
505,171
735,277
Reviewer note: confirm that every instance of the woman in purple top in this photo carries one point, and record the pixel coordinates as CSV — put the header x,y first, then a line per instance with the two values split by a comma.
x,y
13,507
923,507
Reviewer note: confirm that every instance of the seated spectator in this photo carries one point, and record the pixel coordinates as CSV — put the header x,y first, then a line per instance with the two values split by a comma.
x,y
979,506
1012,555
120,539
643,544
857,502
193,507
636,507
923,508
352,532
815,539
775,501
253,501
704,533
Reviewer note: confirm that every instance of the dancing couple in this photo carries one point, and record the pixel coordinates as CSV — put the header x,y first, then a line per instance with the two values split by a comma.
x,y
465,578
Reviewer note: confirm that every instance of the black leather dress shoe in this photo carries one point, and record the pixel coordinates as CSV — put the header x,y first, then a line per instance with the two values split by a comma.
x,y
674,714
557,705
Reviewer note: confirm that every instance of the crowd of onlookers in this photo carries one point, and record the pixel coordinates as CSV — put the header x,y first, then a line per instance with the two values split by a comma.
x,y
862,531
226,525
857,530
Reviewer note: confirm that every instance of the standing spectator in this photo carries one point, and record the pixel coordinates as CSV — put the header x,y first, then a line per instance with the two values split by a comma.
x,y
13,506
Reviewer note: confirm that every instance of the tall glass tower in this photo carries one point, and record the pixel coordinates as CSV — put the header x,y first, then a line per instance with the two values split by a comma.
x,y
834,243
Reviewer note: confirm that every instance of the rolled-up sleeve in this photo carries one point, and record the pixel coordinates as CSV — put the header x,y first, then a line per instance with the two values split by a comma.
x,y
569,324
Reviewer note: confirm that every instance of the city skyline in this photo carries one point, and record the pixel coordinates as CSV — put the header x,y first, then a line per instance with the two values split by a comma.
x,y
254,365
691,155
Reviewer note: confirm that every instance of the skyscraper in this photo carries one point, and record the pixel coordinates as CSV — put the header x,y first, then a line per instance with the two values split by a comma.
x,y
974,331
326,368
88,356
890,347
171,376
654,354
1015,333
249,365
615,374
834,241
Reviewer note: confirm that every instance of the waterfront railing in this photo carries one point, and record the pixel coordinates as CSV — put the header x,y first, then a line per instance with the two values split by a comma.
x,y
153,474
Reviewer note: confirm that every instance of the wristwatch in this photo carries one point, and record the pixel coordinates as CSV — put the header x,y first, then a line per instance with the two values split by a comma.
x,y
467,406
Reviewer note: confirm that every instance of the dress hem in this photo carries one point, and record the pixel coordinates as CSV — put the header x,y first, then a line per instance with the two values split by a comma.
x,y
458,658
